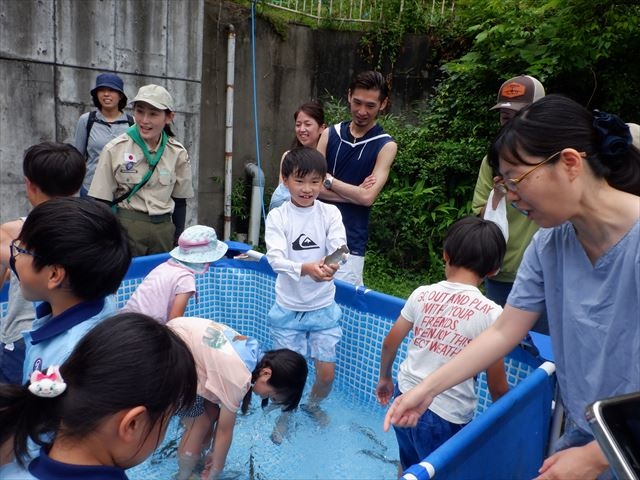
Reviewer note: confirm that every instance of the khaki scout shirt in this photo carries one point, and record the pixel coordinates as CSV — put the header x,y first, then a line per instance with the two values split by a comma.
x,y
122,166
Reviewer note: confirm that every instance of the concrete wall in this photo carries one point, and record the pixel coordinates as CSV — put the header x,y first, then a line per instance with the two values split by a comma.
x,y
51,52
306,64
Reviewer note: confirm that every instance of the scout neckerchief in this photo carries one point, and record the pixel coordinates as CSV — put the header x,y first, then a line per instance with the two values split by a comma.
x,y
132,131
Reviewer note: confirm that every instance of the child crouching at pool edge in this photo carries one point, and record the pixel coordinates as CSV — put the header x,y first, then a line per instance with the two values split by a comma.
x,y
230,368
165,291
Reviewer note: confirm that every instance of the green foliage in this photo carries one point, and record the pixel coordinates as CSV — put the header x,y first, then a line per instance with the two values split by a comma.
x,y
430,185
577,47
407,220
335,110
382,41
383,276
240,198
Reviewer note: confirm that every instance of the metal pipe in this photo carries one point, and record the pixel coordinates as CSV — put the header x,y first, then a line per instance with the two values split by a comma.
x,y
228,125
257,177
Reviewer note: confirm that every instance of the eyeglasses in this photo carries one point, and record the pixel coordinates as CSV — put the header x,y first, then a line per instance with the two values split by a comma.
x,y
511,184
14,251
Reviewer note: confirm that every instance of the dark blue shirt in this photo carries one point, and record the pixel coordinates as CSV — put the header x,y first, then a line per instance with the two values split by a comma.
x,y
352,161
44,468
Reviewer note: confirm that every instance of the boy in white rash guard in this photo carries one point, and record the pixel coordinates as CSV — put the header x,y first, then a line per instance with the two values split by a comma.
x,y
299,235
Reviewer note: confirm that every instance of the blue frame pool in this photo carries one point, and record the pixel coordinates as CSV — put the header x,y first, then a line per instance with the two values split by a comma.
x,y
240,292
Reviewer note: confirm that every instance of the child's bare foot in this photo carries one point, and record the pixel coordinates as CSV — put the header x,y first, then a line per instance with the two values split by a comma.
x,y
281,428
315,412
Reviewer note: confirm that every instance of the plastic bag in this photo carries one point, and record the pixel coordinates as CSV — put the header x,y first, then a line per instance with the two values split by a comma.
x,y
498,215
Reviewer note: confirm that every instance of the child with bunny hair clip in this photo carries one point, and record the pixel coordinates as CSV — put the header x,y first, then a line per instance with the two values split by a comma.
x,y
103,410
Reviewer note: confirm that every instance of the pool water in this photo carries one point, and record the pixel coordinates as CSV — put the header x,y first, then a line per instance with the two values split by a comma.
x,y
352,446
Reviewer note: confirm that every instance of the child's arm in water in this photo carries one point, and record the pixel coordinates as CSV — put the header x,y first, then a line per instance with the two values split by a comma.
x,y
390,345
179,305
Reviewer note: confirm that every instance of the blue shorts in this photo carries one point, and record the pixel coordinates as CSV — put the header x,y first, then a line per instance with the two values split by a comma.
x,y
417,442
302,332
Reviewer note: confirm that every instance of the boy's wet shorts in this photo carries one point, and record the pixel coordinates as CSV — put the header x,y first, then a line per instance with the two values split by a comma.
x,y
196,409
303,332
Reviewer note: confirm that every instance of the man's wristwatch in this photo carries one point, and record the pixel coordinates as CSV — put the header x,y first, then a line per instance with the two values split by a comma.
x,y
328,182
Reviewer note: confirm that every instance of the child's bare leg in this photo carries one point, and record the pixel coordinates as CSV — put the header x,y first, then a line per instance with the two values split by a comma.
x,y
325,373
190,448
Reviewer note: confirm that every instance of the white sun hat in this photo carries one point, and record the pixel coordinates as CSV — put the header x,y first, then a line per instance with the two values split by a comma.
x,y
199,244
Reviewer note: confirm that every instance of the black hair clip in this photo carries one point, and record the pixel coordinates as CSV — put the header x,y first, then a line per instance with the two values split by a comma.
x,y
613,134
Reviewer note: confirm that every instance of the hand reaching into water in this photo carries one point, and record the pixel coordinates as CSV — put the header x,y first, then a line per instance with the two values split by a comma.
x,y
384,390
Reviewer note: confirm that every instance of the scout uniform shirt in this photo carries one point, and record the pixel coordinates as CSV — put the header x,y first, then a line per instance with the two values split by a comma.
x,y
122,166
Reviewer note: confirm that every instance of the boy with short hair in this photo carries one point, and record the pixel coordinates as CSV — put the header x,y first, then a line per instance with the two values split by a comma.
x,y
50,170
71,254
299,235
444,317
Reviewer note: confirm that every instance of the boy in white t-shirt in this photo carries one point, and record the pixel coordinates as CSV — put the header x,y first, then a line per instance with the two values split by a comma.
x,y
299,235
165,291
444,317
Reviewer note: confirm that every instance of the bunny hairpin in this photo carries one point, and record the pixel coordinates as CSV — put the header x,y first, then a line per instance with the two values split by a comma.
x,y
47,385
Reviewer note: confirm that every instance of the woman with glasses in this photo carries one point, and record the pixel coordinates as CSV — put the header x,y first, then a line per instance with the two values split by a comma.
x,y
577,175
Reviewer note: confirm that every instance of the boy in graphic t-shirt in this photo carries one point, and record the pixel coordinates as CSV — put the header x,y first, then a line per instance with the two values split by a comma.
x,y
444,317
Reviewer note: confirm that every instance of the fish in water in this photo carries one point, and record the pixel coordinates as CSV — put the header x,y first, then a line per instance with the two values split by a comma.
x,y
167,451
378,456
369,433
